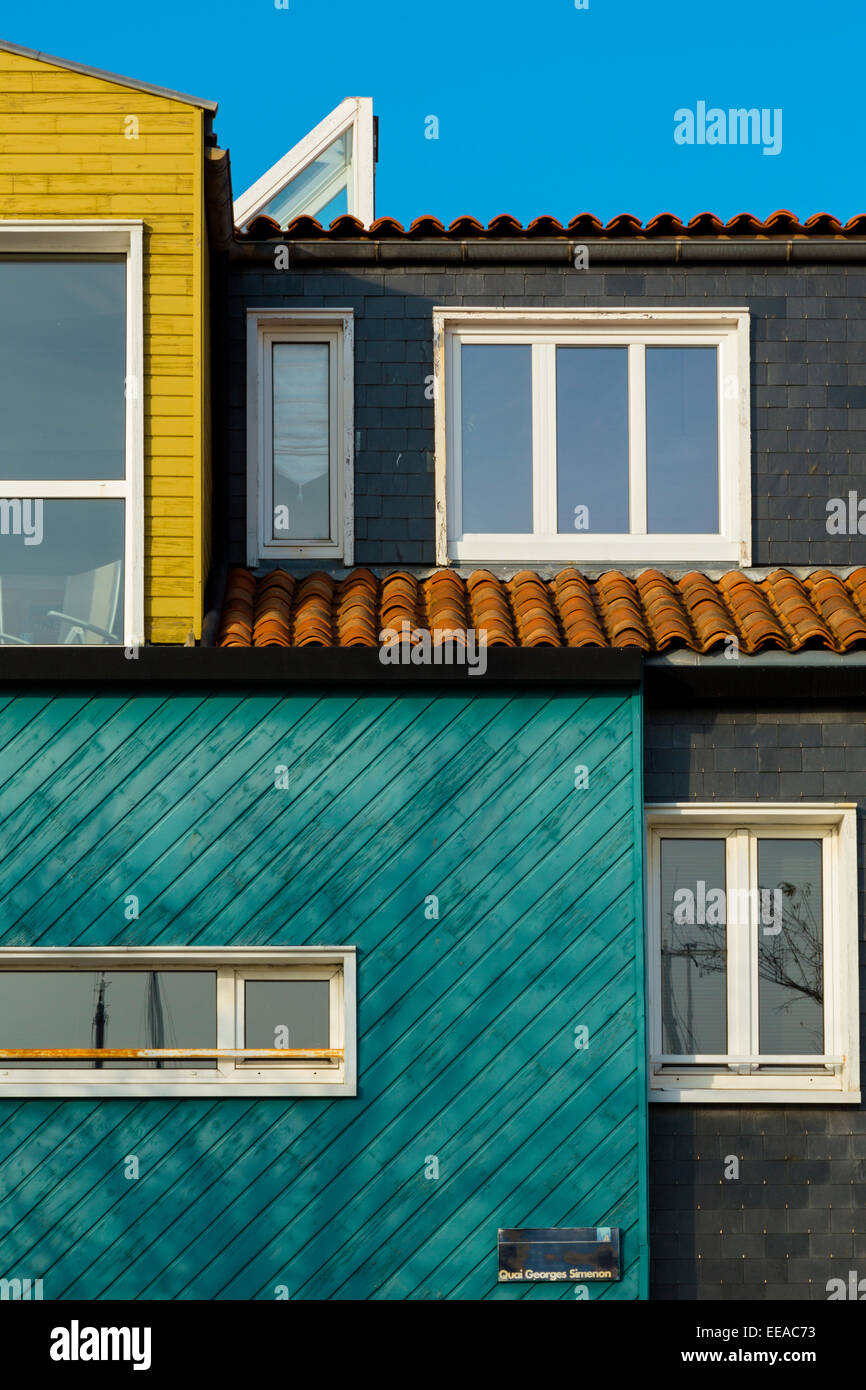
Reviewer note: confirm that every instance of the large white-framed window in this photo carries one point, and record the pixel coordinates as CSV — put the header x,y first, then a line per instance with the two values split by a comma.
x,y
72,441
177,1021
752,952
300,434
592,436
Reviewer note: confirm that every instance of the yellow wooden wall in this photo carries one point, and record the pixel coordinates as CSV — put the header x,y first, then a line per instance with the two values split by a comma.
x,y
65,152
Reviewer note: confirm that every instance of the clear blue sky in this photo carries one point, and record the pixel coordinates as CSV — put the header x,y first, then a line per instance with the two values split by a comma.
x,y
542,108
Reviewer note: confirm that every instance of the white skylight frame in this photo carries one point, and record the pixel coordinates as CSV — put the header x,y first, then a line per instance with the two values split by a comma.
x,y
355,114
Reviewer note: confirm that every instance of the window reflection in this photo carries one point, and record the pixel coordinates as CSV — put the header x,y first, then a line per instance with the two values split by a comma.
x,y
110,1009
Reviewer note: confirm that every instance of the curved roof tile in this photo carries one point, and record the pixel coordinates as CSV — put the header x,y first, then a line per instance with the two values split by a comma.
x,y
650,611
584,224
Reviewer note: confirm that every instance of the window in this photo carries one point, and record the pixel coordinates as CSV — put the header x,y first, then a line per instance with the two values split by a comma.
x,y
71,444
594,436
176,1021
328,173
752,931
300,434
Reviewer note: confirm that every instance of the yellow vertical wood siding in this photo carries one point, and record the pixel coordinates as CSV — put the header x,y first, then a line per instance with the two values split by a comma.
x,y
74,145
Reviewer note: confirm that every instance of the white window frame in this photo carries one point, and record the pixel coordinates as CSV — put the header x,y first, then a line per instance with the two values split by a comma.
x,y
100,238
355,113
543,330
837,1078
231,1076
264,328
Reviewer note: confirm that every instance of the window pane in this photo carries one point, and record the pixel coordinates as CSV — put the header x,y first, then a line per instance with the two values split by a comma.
x,y
62,368
682,449
287,1013
302,441
112,1008
592,439
791,946
694,947
496,390
324,182
61,571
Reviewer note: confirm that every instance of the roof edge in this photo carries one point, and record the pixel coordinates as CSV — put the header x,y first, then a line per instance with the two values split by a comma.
x,y
106,76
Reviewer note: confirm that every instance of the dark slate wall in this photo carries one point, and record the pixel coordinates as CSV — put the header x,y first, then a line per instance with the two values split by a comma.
x,y
797,1215
808,386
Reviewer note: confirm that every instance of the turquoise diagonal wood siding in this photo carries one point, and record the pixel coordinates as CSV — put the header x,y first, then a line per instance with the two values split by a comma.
x,y
467,1041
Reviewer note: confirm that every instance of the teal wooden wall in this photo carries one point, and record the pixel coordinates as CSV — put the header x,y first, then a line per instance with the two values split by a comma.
x,y
466,1024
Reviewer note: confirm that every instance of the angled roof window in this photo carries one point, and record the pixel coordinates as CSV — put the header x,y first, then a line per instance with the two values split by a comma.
x,y
328,173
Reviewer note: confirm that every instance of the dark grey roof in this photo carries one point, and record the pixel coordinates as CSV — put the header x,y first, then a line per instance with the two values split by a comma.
x,y
107,76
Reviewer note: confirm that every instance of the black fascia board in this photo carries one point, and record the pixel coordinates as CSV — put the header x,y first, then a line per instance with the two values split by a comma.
x,y
758,682
281,666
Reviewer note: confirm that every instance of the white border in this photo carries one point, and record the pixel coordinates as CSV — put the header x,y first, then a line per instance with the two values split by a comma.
x,y
836,824
725,329
264,327
354,112
233,964
99,237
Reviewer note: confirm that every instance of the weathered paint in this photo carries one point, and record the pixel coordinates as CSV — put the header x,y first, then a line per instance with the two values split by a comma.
x,y
64,154
466,1022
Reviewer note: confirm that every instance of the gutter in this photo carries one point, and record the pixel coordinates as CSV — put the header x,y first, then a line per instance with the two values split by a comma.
x,y
553,251
803,678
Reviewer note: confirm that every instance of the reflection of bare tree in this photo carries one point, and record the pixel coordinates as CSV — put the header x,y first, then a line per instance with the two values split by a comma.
x,y
791,959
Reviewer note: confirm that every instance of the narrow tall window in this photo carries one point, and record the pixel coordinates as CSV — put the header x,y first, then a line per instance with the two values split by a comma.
x,y
300,432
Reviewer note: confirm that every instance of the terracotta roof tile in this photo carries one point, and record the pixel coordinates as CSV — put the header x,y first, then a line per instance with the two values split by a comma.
x,y
650,611
585,224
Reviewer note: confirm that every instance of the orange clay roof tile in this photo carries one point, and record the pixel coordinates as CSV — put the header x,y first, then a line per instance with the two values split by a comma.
x,y
651,611
705,224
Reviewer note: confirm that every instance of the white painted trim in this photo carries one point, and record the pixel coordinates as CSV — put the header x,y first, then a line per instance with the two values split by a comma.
x,y
543,396
637,439
232,965
337,327
108,236
740,822
725,329
354,112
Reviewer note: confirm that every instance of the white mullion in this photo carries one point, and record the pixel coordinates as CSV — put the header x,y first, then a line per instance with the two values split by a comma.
x,y
754,936
544,439
637,439
739,954
227,1032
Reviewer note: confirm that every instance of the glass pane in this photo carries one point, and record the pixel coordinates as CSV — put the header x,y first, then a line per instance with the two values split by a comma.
x,y
112,1008
316,187
791,946
496,391
682,444
61,571
302,441
694,947
592,439
62,368
287,1013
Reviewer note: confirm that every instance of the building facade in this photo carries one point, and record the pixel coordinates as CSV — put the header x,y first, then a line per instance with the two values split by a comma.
x,y
432,796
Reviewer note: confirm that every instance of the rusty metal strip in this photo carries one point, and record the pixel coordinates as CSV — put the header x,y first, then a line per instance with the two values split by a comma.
x,y
176,1053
